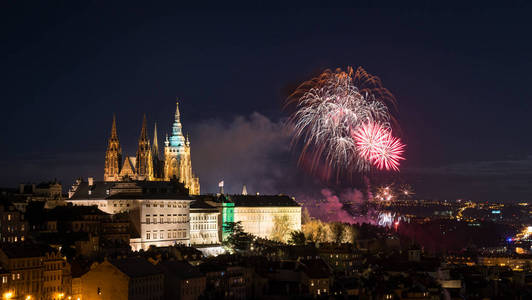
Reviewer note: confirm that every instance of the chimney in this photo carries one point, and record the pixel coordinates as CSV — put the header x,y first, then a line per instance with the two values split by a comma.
x,y
21,188
91,181
244,190
33,188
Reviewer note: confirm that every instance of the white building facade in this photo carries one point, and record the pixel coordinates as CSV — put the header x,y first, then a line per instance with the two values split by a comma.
x,y
159,211
204,224
260,215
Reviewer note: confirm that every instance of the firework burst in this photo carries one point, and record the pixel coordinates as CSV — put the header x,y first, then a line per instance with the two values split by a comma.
x,y
335,107
376,144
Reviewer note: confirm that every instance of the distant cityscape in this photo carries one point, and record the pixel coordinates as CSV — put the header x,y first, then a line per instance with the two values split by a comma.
x,y
146,232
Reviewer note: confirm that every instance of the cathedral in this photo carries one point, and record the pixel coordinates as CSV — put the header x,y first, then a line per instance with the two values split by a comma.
x,y
148,164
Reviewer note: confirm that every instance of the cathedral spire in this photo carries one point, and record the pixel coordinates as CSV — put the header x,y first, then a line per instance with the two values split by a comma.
x,y
113,155
144,163
177,139
177,114
155,147
114,134
143,131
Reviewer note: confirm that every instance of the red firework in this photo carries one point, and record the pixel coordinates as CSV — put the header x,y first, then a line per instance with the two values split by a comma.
x,y
376,144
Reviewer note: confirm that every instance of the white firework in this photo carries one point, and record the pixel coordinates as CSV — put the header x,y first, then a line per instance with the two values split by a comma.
x,y
326,116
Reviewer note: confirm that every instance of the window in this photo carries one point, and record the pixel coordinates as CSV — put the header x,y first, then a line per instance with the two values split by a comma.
x,y
147,235
155,235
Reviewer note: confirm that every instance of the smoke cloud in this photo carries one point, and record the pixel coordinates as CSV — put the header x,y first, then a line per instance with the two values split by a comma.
x,y
251,150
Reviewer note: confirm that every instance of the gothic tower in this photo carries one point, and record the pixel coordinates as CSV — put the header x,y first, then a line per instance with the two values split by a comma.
x,y
144,162
177,163
113,156
157,168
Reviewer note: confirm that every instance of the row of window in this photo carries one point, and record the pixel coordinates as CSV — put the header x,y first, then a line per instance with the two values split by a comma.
x,y
174,205
174,233
14,228
169,220
204,218
13,239
203,226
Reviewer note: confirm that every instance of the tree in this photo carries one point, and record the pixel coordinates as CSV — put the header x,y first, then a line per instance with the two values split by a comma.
x,y
338,231
351,234
297,237
281,228
316,231
238,239
305,216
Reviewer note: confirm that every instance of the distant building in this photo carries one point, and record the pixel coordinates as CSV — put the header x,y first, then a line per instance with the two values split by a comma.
x,y
36,271
182,281
129,278
48,192
13,227
317,277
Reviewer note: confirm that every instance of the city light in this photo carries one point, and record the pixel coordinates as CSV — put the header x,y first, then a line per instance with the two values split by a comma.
x,y
7,295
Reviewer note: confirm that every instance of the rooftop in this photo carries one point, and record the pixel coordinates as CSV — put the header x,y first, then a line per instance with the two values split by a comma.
x,y
135,267
262,200
131,190
179,269
25,250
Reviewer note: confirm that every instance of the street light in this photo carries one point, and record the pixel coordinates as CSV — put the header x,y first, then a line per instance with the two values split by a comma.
x,y
7,295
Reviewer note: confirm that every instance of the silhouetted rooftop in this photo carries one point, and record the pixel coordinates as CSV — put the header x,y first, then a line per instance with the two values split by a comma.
x,y
135,267
262,200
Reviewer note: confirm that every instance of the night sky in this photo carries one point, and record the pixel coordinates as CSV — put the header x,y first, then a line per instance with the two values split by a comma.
x,y
461,75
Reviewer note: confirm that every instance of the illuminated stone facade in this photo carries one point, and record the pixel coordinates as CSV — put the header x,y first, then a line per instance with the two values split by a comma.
x,y
263,216
204,224
261,221
147,163
159,211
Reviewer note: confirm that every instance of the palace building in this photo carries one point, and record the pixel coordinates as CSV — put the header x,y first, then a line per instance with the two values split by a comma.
x,y
148,164
159,211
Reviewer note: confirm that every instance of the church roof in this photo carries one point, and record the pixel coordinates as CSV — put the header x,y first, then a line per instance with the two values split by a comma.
x,y
199,204
128,167
262,200
131,190
135,267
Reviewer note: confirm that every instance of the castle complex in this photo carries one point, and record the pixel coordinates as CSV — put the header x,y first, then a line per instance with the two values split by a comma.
x,y
161,197
148,165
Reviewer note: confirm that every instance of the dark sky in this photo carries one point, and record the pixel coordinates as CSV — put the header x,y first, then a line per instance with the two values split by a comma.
x,y
461,74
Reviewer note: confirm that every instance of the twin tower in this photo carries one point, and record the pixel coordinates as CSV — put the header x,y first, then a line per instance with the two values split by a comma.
x,y
148,164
